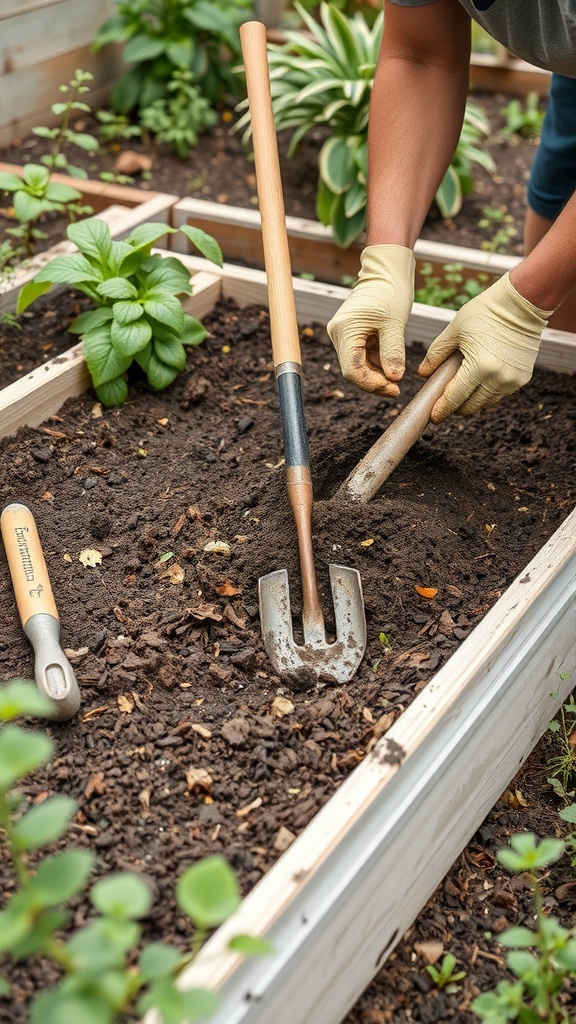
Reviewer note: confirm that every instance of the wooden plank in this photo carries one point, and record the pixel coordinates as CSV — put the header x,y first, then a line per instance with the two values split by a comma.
x,y
26,94
39,31
317,302
101,193
312,246
453,750
32,399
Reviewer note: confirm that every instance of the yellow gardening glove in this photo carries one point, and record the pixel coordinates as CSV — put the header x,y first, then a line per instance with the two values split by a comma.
x,y
498,333
368,329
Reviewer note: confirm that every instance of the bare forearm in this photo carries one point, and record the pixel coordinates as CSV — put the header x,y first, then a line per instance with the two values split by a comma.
x,y
548,274
416,116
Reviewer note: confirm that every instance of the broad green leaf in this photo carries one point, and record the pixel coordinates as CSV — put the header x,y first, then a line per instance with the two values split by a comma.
x,y
143,358
157,960
92,236
336,165
449,194
175,1005
9,182
117,257
21,697
85,141
14,927
117,288
168,274
90,320
208,892
29,292
27,207
123,896
519,937
146,234
205,243
142,47
36,177
250,945
59,1008
193,332
130,338
60,877
103,944
127,312
180,52
127,91
21,752
566,958
569,814
172,353
346,229
113,392
325,203
522,963
159,374
165,308
104,362
44,823
58,193
71,269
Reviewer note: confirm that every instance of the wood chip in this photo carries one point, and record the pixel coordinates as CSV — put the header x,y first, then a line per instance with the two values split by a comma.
x,y
284,837
198,780
429,951
201,730
281,706
125,704
249,807
96,784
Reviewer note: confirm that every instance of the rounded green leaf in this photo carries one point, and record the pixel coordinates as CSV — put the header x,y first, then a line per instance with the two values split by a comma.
x,y
71,269
146,234
60,877
45,823
449,194
175,1005
92,236
90,320
27,207
159,374
193,332
60,1008
9,182
208,892
172,353
123,896
157,960
103,945
205,243
58,193
165,308
250,945
130,338
113,392
336,165
104,362
117,288
14,927
21,752
127,312
21,697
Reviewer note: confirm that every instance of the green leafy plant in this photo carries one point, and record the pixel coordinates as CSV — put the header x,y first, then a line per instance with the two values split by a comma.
x,y
139,315
115,128
445,977
180,117
500,223
563,765
107,975
542,959
525,120
35,193
162,36
451,289
323,76
63,135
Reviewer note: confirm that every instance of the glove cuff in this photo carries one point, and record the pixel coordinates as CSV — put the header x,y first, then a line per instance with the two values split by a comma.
x,y
387,261
543,314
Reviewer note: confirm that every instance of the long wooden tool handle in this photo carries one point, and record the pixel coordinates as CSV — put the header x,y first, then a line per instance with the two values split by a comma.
x,y
283,322
27,564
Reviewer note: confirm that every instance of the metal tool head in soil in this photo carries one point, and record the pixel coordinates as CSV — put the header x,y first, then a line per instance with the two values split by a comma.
x,y
330,662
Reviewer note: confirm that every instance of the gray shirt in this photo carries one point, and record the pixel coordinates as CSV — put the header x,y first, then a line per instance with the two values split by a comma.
x,y
542,32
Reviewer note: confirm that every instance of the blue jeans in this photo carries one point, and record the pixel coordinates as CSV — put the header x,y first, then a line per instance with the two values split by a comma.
x,y
553,175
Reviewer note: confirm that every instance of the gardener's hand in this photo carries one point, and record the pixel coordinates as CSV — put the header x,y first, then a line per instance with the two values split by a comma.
x,y
498,333
368,329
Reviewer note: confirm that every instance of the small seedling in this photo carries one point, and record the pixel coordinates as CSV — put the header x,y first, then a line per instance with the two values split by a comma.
x,y
500,223
523,120
542,959
563,765
451,289
115,128
62,135
107,976
179,118
139,315
445,977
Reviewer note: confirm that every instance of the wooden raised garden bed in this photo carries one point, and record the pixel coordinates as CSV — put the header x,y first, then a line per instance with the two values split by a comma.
x,y
42,43
338,900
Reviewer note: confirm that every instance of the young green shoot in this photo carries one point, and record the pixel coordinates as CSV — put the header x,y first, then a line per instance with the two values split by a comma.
x,y
445,977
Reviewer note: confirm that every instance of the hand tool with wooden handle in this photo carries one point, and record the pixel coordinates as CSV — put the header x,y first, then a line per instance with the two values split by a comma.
x,y
340,660
37,609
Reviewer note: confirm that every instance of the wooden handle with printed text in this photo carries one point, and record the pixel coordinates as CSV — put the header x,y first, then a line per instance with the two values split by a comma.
x,y
26,562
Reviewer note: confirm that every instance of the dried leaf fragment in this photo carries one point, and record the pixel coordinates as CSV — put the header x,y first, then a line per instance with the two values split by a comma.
x,y
198,780
217,547
249,807
428,592
227,589
366,543
281,706
125,704
90,557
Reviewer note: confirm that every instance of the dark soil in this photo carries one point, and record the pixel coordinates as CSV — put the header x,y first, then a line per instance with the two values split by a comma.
x,y
165,636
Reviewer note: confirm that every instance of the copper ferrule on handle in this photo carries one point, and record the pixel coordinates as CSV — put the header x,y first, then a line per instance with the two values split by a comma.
x,y
300,496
